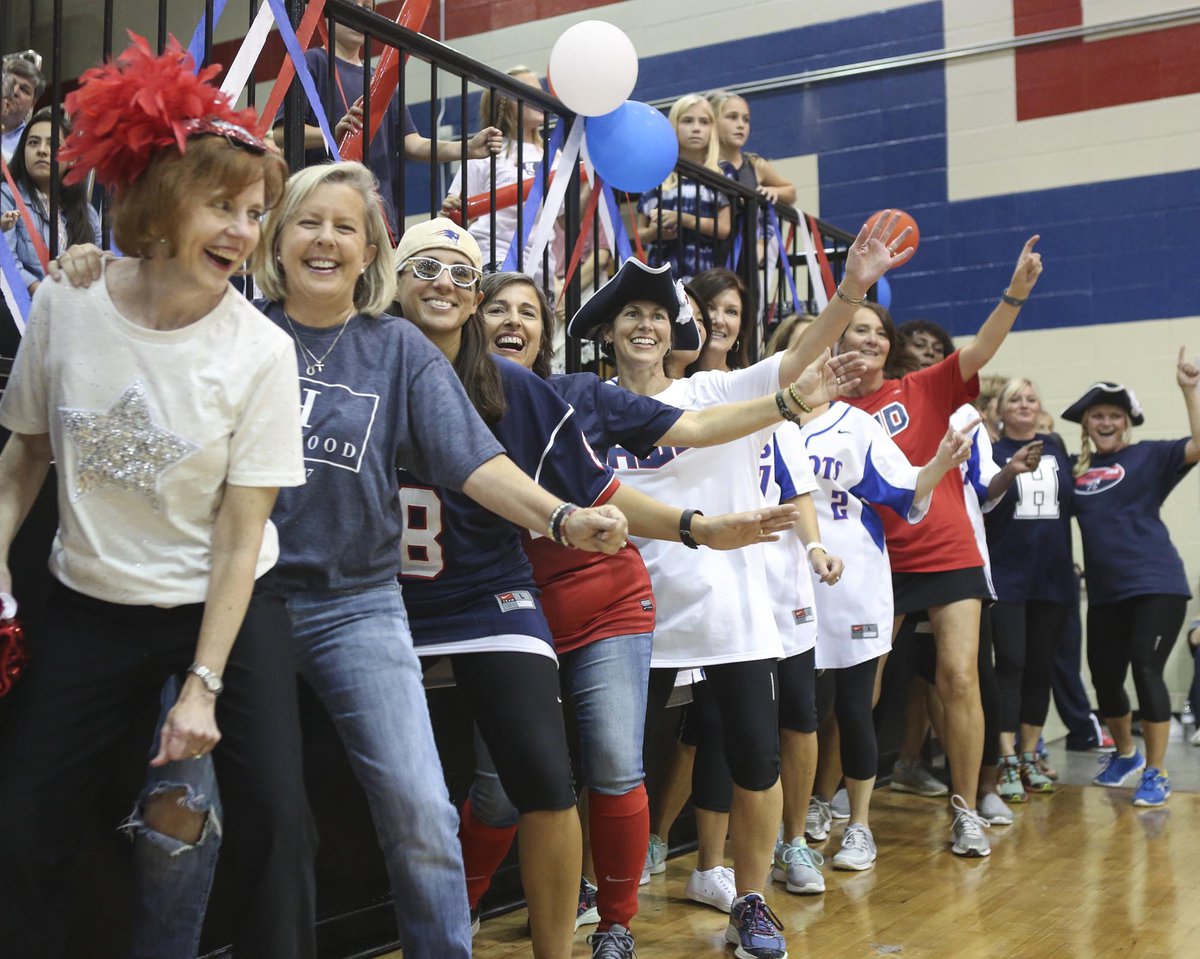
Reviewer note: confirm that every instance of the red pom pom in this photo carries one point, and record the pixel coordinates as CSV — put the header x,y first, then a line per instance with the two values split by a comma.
x,y
127,110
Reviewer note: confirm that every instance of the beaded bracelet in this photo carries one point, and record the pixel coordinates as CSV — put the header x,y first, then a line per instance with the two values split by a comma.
x,y
784,410
795,393
558,520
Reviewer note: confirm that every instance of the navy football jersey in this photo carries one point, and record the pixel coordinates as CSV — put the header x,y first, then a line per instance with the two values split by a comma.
x,y
456,555
611,416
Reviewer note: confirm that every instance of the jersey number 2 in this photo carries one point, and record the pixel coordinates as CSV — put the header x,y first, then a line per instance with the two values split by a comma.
x,y
420,549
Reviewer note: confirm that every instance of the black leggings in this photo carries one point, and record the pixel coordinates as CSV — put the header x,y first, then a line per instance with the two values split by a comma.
x,y
1026,637
854,688
1139,632
712,785
798,692
514,698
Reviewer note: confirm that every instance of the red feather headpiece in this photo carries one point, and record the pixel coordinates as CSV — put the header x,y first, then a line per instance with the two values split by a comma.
x,y
127,110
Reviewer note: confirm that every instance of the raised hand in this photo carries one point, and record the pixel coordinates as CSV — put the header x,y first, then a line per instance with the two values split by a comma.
x,y
1027,458
1187,374
873,253
1027,271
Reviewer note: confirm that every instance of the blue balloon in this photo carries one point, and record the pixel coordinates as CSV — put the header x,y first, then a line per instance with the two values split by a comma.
x,y
883,293
634,148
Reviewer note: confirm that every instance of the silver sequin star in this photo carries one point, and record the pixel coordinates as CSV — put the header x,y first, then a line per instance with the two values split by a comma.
x,y
122,446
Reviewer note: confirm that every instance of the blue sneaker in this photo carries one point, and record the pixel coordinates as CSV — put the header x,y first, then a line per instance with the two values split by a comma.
x,y
587,914
755,930
1153,790
1116,770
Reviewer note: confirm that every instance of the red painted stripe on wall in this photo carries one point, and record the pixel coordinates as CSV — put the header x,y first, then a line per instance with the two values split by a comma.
x,y
1077,75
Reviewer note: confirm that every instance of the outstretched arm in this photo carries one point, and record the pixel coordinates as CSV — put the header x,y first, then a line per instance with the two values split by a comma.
x,y
979,352
1187,375
871,255
654,520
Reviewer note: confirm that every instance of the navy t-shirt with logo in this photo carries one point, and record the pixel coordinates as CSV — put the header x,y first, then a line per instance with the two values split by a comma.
x,y
1127,550
1029,530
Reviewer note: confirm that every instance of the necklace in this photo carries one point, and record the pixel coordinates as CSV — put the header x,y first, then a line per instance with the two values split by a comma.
x,y
312,362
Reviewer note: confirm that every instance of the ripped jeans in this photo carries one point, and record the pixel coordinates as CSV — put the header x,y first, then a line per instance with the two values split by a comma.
x,y
172,878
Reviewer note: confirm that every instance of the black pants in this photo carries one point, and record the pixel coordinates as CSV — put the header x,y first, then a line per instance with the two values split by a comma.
x,y
1138,632
853,690
1025,636
798,692
98,667
515,700
1070,698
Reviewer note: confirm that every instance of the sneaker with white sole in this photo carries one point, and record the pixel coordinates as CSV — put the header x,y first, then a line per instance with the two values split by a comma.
x,y
1117,770
656,859
967,837
817,820
715,887
1032,776
1153,790
755,930
858,849
839,805
1011,788
615,942
994,811
912,777
587,914
798,867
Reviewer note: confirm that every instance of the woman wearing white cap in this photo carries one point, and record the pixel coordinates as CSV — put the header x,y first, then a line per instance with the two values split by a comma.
x,y
713,607
1136,582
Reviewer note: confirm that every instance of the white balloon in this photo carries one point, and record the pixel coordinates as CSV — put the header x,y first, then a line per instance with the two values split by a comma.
x,y
593,68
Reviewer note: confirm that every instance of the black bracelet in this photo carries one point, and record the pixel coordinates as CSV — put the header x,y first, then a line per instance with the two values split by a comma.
x,y
1012,300
784,411
685,528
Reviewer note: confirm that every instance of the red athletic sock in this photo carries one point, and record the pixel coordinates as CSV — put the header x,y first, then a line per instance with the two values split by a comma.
x,y
484,848
620,831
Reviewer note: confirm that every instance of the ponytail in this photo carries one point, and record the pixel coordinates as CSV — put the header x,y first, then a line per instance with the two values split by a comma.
x,y
1084,461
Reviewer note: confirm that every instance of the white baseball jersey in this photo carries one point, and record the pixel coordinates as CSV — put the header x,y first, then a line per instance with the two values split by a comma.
x,y
785,473
713,605
858,467
978,472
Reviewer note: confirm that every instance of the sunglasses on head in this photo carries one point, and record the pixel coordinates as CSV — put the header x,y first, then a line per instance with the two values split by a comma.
x,y
428,269
31,56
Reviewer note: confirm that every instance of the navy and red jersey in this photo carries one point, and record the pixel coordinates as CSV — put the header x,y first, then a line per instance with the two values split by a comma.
x,y
589,596
916,413
456,554
1127,550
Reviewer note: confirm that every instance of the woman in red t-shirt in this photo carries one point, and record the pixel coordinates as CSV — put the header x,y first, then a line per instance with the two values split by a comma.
x,y
936,567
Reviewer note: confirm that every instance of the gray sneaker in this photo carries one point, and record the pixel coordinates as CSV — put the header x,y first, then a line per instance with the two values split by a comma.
x,y
818,820
798,867
967,836
912,777
994,811
839,805
614,943
858,849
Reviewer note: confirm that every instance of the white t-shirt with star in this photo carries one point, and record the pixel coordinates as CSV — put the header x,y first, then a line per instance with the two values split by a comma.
x,y
147,427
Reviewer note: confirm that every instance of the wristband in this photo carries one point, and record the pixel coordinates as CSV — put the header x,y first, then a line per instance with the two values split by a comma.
x,y
558,520
685,528
849,299
1012,300
786,413
795,394
815,544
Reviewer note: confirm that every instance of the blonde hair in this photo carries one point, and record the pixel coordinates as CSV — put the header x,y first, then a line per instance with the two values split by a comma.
x,y
1009,390
506,118
783,332
1084,461
686,102
376,288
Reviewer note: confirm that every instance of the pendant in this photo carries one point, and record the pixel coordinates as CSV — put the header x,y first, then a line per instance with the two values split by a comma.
x,y
316,367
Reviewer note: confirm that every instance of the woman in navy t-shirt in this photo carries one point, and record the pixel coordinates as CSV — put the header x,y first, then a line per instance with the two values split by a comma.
x,y
1138,589
1029,539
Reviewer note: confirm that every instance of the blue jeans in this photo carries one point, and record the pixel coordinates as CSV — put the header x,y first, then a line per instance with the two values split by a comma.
x,y
355,651
172,878
605,682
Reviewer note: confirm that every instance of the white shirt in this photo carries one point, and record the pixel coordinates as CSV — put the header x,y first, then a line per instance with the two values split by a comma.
x,y
978,472
786,473
858,467
147,427
713,606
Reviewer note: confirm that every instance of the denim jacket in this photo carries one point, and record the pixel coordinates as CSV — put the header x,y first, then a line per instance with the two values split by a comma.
x,y
21,243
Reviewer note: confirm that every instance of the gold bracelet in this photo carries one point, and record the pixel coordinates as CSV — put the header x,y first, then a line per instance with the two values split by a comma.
x,y
848,299
795,394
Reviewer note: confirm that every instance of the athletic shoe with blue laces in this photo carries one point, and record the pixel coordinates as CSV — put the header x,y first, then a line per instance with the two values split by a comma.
x,y
1117,770
798,867
656,859
1153,790
755,930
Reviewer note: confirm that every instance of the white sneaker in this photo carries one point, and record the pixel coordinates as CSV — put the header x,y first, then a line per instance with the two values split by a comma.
x,y
715,888
817,820
839,806
967,836
858,849
994,811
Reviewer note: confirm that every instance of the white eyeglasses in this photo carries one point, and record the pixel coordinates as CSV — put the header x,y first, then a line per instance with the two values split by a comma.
x,y
428,269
